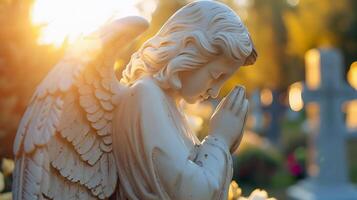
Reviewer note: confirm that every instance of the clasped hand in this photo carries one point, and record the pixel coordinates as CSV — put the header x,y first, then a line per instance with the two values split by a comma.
x,y
228,120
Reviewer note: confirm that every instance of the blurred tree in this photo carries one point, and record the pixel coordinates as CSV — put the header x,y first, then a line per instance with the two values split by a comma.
x,y
23,64
312,24
265,24
347,31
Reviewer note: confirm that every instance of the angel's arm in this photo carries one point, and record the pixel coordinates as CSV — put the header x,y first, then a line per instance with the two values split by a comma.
x,y
199,173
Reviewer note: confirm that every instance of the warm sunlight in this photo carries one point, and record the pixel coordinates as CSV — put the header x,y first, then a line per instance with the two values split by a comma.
x,y
66,19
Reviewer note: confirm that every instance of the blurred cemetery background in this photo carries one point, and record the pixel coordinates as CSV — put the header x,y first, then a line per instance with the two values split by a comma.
x,y
302,126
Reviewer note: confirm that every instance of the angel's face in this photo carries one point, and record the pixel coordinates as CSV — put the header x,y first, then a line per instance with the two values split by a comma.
x,y
206,81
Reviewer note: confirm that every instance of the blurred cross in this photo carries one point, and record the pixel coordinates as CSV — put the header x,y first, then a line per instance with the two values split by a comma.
x,y
326,87
257,114
275,110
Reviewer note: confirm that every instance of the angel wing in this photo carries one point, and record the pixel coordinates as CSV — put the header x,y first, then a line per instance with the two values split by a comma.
x,y
63,147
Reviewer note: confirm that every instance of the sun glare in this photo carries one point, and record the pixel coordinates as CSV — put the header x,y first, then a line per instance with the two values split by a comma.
x,y
67,19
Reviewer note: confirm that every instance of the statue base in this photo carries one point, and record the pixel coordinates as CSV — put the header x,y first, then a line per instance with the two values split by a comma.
x,y
311,190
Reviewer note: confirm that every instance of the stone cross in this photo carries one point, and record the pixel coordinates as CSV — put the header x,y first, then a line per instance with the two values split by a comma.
x,y
329,91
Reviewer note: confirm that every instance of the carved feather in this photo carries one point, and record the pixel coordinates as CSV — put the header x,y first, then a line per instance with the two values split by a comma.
x,y
103,95
107,140
106,130
105,147
107,105
94,117
106,82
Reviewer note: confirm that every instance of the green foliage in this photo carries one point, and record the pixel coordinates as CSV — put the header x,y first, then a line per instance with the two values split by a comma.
x,y
351,155
261,167
353,171
282,179
292,135
256,167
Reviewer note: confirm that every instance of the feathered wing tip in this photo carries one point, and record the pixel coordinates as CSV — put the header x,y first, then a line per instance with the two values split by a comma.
x,y
63,147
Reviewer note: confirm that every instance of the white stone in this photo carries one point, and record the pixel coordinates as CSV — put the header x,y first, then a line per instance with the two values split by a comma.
x,y
85,135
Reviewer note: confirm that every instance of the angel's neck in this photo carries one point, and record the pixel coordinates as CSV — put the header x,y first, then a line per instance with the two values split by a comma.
x,y
172,94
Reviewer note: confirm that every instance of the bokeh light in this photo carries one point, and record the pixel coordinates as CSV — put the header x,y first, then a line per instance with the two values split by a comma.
x,y
295,97
313,72
351,114
352,75
266,97
293,2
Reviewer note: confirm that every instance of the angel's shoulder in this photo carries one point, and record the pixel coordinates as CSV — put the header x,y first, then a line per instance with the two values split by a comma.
x,y
146,89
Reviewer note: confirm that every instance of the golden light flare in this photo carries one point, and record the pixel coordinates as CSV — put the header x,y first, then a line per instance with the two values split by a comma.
x,y
295,96
67,20
313,71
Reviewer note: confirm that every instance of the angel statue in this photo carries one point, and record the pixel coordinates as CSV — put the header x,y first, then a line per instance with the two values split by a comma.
x,y
88,135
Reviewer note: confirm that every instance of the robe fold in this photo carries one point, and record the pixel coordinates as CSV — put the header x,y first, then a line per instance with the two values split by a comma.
x,y
158,156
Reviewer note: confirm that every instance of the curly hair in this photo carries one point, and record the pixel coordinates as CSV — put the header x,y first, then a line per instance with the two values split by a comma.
x,y
193,36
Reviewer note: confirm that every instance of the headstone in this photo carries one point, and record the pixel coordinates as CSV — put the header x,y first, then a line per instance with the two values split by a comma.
x,y
329,91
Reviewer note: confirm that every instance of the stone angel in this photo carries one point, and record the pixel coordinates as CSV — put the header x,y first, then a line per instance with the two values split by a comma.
x,y
88,135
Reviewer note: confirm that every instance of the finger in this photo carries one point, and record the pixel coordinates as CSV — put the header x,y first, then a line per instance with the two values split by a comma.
x,y
244,110
239,139
237,105
221,103
231,98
